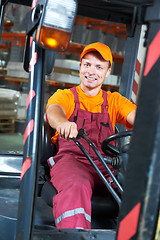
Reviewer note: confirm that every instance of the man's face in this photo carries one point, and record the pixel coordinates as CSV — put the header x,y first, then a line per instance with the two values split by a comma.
x,y
93,70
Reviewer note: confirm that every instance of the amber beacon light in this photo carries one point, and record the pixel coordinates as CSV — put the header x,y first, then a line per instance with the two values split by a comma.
x,y
56,24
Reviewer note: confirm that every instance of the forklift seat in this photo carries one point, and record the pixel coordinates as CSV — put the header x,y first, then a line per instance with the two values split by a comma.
x,y
104,205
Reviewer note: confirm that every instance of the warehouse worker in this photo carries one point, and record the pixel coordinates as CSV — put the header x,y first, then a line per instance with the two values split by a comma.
x,y
85,106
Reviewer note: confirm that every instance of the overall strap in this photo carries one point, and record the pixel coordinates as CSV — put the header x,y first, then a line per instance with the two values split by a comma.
x,y
76,99
105,102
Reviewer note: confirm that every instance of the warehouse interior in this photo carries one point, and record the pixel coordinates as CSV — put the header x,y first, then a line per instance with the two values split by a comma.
x,y
14,80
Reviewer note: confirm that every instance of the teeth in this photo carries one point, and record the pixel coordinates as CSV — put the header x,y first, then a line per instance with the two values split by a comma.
x,y
92,79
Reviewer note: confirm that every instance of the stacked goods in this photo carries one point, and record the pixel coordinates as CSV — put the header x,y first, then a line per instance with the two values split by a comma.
x,y
21,111
8,109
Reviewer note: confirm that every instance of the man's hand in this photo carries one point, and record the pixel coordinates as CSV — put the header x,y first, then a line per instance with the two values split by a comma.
x,y
57,120
67,130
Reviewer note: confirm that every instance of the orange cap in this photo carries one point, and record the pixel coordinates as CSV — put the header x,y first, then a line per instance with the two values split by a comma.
x,y
103,49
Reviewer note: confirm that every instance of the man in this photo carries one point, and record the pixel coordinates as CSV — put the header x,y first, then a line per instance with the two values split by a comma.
x,y
97,111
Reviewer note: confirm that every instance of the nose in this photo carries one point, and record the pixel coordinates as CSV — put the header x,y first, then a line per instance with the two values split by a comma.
x,y
92,70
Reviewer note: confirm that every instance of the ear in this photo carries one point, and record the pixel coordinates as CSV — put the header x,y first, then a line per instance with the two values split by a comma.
x,y
108,72
80,65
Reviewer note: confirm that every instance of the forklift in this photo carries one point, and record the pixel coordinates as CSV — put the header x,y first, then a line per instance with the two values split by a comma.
x,y
25,209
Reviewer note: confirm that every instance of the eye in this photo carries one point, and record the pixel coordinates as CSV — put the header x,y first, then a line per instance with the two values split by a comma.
x,y
99,67
86,64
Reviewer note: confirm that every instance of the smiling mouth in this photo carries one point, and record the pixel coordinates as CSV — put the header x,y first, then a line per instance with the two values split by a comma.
x,y
90,79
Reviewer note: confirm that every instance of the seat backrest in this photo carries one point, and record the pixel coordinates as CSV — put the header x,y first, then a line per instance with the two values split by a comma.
x,y
48,148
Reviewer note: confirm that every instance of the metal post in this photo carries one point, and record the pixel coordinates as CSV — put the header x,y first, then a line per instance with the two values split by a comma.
x,y
140,205
129,64
32,142
2,8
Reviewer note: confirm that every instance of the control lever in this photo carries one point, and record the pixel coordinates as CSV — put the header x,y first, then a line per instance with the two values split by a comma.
x,y
82,133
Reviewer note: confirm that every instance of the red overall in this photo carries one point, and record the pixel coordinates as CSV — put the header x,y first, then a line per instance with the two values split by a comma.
x,y
72,175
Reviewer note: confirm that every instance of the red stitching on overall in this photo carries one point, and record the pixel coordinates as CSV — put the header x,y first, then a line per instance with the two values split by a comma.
x,y
72,175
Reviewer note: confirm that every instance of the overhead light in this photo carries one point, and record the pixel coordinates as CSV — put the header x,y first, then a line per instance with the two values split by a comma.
x,y
56,24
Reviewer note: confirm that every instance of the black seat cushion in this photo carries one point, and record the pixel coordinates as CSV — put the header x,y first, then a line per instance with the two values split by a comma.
x,y
102,203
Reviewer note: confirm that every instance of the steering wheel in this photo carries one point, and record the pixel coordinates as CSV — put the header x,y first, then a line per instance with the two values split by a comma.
x,y
109,149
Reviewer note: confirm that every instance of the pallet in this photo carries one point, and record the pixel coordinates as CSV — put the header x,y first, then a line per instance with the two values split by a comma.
x,y
7,125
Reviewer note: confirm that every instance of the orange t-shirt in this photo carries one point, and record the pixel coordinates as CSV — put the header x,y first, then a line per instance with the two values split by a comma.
x,y
118,106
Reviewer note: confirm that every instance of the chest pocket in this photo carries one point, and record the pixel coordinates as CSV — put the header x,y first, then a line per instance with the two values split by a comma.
x,y
106,129
104,124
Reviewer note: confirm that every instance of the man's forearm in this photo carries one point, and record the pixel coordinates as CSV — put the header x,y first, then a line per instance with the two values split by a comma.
x,y
56,115
131,117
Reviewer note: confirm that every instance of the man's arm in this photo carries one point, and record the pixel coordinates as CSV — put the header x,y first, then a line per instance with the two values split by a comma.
x,y
57,120
131,117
